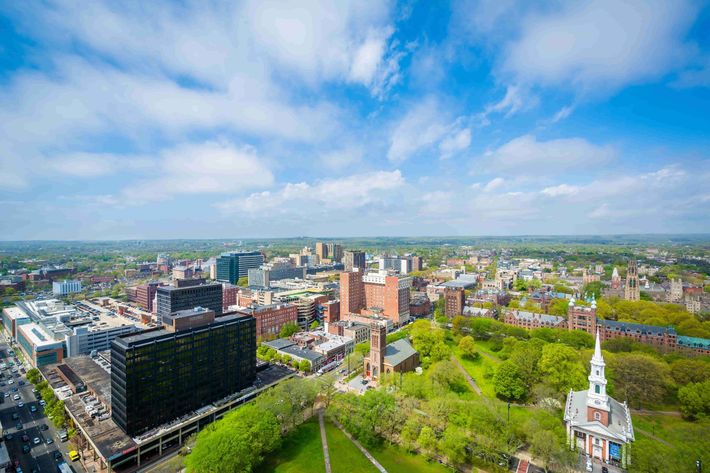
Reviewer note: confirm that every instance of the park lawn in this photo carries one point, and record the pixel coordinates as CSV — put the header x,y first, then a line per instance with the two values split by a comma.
x,y
397,460
301,452
689,440
344,455
484,346
478,369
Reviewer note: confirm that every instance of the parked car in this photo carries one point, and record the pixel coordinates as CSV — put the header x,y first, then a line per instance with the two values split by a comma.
x,y
36,441
43,427
33,408
49,441
25,438
25,448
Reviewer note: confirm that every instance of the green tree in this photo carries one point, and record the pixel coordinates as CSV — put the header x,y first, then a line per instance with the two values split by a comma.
x,y
243,281
314,325
467,347
236,443
562,368
639,378
694,400
453,444
458,324
34,376
304,366
427,441
288,329
686,371
509,382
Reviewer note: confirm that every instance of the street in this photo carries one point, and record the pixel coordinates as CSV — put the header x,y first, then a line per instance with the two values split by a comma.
x,y
41,456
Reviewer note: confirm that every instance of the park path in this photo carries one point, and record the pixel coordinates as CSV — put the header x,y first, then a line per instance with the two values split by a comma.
x,y
468,377
324,441
360,447
657,439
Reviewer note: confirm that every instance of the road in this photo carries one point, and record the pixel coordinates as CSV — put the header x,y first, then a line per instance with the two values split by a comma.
x,y
40,457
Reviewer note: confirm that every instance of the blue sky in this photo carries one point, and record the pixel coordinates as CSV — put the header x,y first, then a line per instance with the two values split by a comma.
x,y
266,119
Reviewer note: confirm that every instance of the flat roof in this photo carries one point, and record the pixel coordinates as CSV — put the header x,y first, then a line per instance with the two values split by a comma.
x,y
306,353
37,335
154,333
15,313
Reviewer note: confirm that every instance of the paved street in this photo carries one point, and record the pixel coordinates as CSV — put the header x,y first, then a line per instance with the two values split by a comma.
x,y
41,456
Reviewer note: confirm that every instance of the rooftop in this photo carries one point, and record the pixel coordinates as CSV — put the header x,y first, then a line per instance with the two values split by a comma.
x,y
305,353
37,336
398,351
643,328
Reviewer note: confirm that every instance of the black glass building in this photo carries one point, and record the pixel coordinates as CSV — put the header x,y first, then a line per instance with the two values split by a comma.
x,y
234,265
172,299
159,375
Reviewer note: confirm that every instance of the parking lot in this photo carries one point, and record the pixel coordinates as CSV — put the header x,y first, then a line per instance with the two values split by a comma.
x,y
30,437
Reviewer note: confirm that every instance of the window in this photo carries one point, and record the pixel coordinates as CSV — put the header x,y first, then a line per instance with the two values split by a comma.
x,y
597,372
597,416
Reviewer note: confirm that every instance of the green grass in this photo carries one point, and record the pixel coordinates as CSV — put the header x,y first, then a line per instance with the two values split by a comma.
x,y
301,452
477,369
689,440
344,455
397,460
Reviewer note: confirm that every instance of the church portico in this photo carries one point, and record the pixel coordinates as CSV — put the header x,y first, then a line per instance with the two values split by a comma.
x,y
597,425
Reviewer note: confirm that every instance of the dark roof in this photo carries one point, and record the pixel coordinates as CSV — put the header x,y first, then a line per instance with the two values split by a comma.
x,y
398,351
643,328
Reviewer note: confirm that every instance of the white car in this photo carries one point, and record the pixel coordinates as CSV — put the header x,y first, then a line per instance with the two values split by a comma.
x,y
36,441
11,381
42,403
20,404
16,397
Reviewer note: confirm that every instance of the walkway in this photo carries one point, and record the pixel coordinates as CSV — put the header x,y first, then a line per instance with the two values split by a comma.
x,y
468,377
324,441
657,439
360,447
523,466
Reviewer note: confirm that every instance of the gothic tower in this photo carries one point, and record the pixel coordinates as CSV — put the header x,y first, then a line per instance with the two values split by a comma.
x,y
632,291
597,400
378,346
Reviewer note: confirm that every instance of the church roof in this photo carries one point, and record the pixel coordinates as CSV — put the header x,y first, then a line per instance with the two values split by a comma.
x,y
619,427
398,351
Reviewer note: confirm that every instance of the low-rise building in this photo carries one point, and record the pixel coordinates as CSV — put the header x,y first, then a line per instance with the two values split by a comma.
x,y
41,349
68,286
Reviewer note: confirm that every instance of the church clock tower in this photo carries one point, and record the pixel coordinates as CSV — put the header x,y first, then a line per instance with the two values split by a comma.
x,y
597,400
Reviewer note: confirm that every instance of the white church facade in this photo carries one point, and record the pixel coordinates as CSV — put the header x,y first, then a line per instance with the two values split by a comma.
x,y
597,424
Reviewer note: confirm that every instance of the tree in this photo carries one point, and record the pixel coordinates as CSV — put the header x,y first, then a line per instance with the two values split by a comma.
x,y
683,371
593,288
526,356
34,376
562,368
458,324
467,347
639,378
288,329
314,325
427,440
694,400
453,444
304,366
508,381
235,443
243,281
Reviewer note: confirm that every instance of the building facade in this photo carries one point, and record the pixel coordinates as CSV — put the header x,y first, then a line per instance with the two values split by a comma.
x,y
145,295
68,286
354,259
271,318
454,300
384,359
378,293
39,347
172,299
234,265
598,425
632,290
159,375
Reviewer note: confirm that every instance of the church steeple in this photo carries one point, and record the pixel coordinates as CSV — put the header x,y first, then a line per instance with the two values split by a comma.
x,y
597,400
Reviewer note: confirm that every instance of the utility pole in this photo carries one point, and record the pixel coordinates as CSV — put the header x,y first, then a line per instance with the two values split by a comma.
x,y
699,466
508,412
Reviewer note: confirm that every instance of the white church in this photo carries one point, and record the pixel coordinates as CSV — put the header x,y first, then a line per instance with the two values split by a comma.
x,y
597,424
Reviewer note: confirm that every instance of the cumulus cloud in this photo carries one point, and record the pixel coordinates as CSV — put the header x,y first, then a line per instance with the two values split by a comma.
x,y
456,142
527,154
601,45
348,193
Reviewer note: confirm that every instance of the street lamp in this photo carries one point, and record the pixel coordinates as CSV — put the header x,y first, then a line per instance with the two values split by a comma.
x,y
508,412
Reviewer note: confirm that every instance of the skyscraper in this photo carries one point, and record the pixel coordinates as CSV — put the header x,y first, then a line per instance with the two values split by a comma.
x,y
161,374
354,259
172,299
232,266
632,291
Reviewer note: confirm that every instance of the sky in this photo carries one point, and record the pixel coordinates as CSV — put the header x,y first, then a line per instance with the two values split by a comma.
x,y
122,120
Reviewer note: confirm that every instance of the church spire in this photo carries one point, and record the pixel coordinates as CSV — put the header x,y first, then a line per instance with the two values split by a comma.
x,y
596,396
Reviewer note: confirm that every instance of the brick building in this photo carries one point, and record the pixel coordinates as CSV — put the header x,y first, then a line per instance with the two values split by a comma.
x,y
378,293
145,295
383,359
271,318
454,299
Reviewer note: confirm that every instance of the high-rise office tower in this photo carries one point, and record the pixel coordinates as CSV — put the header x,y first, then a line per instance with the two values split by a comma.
x,y
196,359
172,299
354,259
232,266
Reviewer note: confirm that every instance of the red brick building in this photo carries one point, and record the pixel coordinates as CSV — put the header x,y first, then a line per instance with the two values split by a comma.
x,y
229,295
454,299
331,311
145,293
375,293
271,318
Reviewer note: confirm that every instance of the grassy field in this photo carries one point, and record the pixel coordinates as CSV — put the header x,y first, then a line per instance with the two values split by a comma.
x,y
397,460
687,441
344,455
480,368
301,452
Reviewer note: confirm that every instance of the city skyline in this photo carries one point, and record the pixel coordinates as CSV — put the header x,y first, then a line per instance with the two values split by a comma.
x,y
360,119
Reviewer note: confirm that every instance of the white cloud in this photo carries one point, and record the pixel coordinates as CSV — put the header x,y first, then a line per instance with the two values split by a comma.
x,y
525,154
455,143
494,184
560,190
342,158
562,113
206,168
336,195
601,45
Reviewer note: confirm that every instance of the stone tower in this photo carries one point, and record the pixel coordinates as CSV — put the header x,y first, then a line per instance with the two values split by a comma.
x,y
615,279
632,291
676,292
378,346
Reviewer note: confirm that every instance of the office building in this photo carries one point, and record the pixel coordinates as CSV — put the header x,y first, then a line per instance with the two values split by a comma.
x,y
68,286
454,300
375,293
232,266
145,294
38,345
354,259
271,318
162,374
403,265
172,299
329,252
277,271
